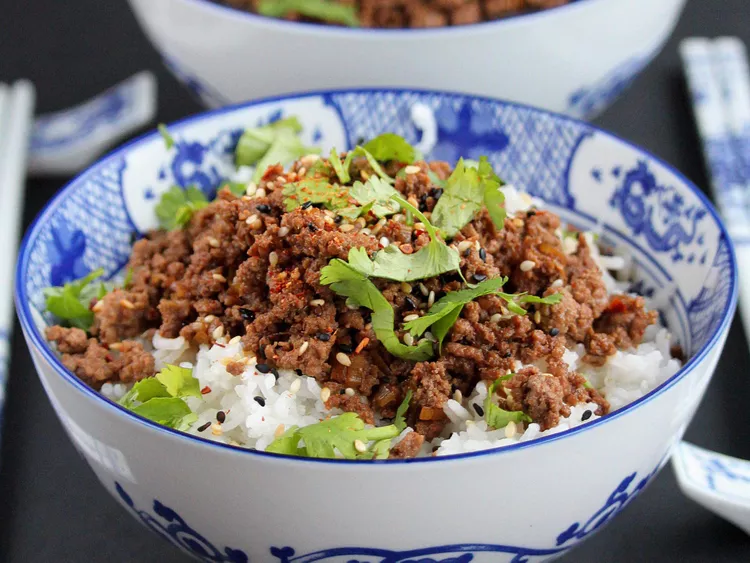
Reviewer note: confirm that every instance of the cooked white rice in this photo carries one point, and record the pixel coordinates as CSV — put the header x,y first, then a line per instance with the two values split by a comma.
x,y
260,406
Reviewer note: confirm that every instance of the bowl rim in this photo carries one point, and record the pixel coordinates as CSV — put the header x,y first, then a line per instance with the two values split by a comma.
x,y
34,337
324,29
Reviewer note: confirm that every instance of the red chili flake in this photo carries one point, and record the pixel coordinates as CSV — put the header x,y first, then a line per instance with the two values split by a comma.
x,y
361,345
418,232
616,306
109,358
206,390
219,345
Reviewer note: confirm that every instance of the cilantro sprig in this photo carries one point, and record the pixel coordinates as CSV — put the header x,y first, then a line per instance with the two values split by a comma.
x,y
389,146
70,303
347,281
515,300
497,417
342,169
326,10
161,398
468,188
176,206
337,434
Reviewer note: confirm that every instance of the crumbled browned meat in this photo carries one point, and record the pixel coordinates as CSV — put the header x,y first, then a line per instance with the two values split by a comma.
x,y
408,447
68,340
419,13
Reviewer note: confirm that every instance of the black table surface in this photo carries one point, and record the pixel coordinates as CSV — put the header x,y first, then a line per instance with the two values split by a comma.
x,y
51,507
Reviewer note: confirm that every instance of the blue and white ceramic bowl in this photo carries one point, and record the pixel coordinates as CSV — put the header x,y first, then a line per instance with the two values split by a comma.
x,y
527,502
574,59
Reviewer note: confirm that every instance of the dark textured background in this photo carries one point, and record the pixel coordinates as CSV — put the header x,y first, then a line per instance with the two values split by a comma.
x,y
51,507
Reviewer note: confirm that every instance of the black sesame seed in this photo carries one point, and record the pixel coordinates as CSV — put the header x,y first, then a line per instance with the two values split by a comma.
x,y
436,193
480,410
307,205
483,254
338,219
275,372
554,331
263,208
263,368
298,371
508,354
203,427
361,141
530,213
247,314
480,277
467,252
411,303
324,336
312,227
260,400
346,349
221,416
585,416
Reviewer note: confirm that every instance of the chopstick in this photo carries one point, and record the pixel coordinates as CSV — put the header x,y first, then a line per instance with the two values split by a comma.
x,y
16,117
719,84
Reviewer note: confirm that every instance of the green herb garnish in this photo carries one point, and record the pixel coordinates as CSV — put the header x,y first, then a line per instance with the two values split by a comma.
x,y
376,193
400,421
70,303
497,417
128,278
165,134
467,189
429,261
338,434
515,300
316,191
176,206
390,146
160,398
325,10
347,281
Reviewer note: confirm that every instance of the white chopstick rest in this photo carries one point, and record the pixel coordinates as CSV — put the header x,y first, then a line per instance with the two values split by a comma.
x,y
67,141
16,117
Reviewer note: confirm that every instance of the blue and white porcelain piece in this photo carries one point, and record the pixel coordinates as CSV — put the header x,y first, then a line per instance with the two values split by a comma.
x,y
221,503
574,59
66,141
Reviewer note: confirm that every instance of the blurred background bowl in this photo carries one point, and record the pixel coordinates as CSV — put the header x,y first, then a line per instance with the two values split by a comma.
x,y
575,59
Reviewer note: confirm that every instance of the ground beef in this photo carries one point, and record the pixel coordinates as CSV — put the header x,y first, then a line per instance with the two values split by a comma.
x,y
408,447
420,13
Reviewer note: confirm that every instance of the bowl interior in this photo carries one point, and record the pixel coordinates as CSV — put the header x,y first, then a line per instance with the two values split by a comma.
x,y
685,262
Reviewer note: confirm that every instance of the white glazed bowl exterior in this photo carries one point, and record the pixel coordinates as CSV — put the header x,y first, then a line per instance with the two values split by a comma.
x,y
575,59
524,503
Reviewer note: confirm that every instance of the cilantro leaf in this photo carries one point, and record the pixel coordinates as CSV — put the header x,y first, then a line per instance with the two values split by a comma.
x,y
71,302
494,200
317,191
167,411
515,300
326,10
143,391
338,168
464,194
390,146
338,434
378,194
497,417
443,314
371,160
399,421
380,449
179,381
237,188
128,278
164,132
176,206
347,281
431,260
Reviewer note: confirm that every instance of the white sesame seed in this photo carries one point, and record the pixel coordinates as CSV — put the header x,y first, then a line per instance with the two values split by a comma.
x,y
464,245
399,218
431,299
115,346
260,193
343,359
218,332
349,392
556,284
361,222
419,226
301,171
457,396
423,289
527,265
99,306
213,242
510,430
252,219
283,231
303,348
429,336
252,187
218,278
366,231
127,304
296,384
346,228
351,305
411,317
279,431
317,302
496,318
325,394
309,159
384,242
209,318
216,429
408,339
234,340
273,258
411,169
360,446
